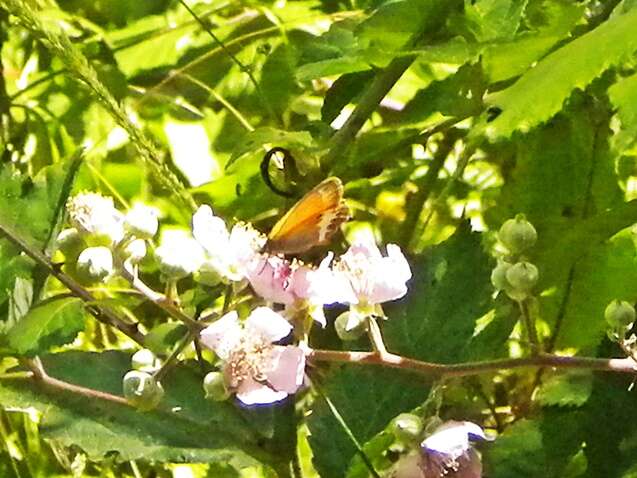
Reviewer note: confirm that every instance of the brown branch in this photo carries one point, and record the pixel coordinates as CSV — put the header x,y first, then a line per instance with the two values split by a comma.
x,y
102,313
160,300
619,365
40,375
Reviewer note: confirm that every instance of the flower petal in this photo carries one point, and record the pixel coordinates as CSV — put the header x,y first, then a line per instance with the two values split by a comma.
x,y
251,392
268,323
223,335
270,277
288,369
210,231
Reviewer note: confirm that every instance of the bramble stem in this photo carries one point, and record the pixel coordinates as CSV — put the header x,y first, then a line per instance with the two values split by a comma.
x,y
387,359
102,313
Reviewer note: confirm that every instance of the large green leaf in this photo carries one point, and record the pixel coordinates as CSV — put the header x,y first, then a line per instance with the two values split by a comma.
x,y
188,428
49,325
540,93
450,290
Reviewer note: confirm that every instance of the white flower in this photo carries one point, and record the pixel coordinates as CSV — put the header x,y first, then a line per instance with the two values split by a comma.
x,y
178,254
227,253
258,371
141,221
374,279
96,219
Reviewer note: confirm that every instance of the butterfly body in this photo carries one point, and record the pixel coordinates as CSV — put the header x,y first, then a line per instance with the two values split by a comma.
x,y
311,221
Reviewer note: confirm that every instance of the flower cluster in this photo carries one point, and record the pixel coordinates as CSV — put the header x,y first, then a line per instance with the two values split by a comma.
x,y
101,235
253,363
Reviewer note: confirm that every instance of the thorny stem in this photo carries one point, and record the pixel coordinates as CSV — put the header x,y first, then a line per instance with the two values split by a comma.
x,y
102,313
387,359
160,300
40,375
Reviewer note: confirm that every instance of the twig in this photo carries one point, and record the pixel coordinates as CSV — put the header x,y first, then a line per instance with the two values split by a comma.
x,y
160,300
387,359
102,313
40,375
369,101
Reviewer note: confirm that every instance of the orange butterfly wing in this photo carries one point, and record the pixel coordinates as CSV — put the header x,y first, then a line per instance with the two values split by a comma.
x,y
311,221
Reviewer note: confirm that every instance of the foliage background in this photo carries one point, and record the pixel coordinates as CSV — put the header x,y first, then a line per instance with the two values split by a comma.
x,y
465,113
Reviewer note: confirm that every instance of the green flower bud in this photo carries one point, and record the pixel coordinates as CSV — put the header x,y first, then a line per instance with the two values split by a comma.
x,y
145,361
620,314
214,386
95,263
349,326
70,243
141,221
142,390
407,427
498,275
518,234
522,277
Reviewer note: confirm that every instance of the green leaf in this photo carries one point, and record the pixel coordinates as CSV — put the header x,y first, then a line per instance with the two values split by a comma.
x,y
493,19
436,321
566,389
254,140
540,93
623,96
342,92
186,429
537,448
49,325
367,399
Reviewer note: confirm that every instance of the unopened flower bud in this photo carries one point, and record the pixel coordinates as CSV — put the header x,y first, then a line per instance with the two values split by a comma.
x,y
145,361
498,275
141,221
135,251
407,427
95,263
70,243
142,390
349,326
522,277
518,234
620,314
214,387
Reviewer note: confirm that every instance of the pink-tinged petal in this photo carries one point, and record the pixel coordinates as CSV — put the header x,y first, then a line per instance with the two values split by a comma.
x,y
209,230
251,392
322,285
270,277
288,369
270,325
223,335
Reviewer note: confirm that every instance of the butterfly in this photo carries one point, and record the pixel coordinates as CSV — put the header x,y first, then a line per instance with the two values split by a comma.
x,y
312,221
